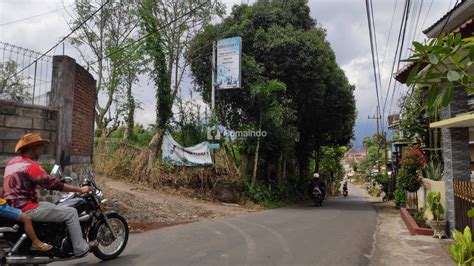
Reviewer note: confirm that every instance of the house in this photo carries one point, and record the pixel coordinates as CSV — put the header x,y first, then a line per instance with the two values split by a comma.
x,y
355,156
456,124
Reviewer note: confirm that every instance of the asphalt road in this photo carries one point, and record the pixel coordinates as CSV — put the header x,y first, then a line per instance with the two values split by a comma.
x,y
339,233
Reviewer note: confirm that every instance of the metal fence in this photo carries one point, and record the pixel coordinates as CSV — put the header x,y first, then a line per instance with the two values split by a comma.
x,y
30,86
463,202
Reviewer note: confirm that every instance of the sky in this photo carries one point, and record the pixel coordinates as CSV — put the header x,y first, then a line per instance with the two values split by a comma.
x,y
344,20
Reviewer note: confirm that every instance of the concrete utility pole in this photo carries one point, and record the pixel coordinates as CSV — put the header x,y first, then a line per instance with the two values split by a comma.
x,y
377,117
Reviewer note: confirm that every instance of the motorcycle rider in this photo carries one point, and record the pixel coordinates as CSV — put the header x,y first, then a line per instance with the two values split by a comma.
x,y
320,184
23,174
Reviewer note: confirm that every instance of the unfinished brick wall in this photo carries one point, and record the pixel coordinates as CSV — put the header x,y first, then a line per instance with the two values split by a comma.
x,y
83,113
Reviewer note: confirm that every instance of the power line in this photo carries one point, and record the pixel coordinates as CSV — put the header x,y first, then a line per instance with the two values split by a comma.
x,y
403,37
424,20
449,16
35,16
64,38
149,34
403,22
367,7
376,54
389,32
415,30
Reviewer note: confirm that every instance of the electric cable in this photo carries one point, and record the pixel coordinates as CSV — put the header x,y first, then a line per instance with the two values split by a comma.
x,y
64,38
35,16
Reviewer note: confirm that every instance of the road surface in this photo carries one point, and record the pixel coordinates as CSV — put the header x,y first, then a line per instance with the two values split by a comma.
x,y
339,233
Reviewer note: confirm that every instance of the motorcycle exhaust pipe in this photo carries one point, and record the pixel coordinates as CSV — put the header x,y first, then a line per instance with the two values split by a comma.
x,y
28,260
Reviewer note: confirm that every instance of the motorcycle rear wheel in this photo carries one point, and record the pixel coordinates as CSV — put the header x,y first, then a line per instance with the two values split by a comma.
x,y
103,235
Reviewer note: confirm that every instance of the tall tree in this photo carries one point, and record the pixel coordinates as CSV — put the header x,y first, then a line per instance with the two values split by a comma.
x,y
281,41
263,95
103,34
175,22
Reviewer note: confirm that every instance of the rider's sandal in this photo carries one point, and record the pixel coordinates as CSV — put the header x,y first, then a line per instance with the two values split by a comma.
x,y
41,247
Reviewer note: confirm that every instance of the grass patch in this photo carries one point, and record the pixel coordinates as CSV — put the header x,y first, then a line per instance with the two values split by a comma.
x,y
274,204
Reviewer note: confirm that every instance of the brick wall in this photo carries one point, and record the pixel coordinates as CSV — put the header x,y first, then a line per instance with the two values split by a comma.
x,y
18,119
83,113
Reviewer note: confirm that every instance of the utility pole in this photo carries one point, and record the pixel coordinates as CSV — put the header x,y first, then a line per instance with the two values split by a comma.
x,y
377,117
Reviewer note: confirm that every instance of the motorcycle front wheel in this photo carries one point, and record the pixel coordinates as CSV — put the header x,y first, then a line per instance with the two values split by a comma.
x,y
108,247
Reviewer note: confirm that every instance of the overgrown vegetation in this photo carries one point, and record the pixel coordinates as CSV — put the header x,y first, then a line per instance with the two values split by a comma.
x,y
292,89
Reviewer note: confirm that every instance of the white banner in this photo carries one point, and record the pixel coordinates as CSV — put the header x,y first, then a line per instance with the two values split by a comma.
x,y
175,154
228,63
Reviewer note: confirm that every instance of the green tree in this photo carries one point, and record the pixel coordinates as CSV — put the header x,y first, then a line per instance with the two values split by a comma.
x,y
447,64
12,86
281,41
104,33
171,25
263,97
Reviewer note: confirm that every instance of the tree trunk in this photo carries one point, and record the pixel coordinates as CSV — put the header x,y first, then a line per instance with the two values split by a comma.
x,y
269,171
131,112
255,163
278,171
284,169
317,159
153,148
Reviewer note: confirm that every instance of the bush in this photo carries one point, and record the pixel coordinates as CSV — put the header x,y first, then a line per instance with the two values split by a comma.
x,y
408,181
412,162
375,192
399,197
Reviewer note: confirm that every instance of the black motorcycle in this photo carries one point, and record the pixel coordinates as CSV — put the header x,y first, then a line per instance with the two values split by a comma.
x,y
107,227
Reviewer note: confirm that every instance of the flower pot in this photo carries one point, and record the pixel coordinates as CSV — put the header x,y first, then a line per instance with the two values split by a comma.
x,y
439,228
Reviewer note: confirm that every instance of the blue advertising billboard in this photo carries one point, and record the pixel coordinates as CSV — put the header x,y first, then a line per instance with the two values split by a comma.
x,y
228,70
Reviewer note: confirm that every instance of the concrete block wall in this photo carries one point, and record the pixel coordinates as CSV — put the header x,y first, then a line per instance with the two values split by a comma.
x,y
18,119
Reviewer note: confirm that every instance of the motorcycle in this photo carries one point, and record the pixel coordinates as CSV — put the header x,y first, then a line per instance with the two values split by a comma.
x,y
317,196
107,227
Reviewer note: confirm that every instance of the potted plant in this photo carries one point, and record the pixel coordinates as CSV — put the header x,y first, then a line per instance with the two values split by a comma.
x,y
433,171
438,224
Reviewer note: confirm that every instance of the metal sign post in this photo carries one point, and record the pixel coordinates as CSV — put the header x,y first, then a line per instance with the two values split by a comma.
x,y
213,84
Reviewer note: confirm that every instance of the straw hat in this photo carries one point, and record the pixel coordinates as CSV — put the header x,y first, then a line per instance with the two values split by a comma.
x,y
30,139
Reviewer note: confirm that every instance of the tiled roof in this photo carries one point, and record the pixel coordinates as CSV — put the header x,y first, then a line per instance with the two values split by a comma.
x,y
445,16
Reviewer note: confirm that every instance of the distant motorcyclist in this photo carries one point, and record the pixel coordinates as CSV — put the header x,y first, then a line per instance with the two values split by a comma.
x,y
345,191
344,186
319,183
